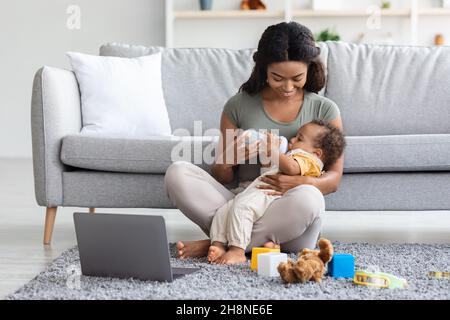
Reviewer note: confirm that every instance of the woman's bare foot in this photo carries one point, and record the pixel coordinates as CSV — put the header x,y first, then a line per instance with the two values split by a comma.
x,y
193,249
271,245
234,255
215,251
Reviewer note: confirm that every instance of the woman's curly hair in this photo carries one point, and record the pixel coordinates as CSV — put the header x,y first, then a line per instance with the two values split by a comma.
x,y
286,41
331,140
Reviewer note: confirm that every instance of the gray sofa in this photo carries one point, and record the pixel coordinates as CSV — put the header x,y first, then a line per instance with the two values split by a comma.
x,y
394,101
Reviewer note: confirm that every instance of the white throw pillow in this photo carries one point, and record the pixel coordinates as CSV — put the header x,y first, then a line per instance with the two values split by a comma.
x,y
121,96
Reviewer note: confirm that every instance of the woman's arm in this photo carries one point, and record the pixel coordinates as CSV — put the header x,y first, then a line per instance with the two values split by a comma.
x,y
232,151
221,170
330,180
326,183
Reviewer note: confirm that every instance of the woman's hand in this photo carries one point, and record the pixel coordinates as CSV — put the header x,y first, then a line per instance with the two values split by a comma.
x,y
279,183
237,151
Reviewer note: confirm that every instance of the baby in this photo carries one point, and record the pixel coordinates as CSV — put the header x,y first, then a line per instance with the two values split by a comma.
x,y
316,145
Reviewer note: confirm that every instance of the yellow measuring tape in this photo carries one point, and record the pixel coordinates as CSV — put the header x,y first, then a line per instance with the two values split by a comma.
x,y
439,274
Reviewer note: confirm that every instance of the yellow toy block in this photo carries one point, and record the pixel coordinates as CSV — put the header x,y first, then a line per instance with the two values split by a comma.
x,y
255,252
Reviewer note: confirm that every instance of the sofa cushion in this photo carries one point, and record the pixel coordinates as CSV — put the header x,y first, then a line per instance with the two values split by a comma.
x,y
427,152
196,81
153,155
357,191
149,155
121,96
388,90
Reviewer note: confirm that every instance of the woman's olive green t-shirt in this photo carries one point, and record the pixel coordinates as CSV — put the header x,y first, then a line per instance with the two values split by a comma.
x,y
247,112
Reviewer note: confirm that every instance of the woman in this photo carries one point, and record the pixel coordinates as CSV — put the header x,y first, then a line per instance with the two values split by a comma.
x,y
281,94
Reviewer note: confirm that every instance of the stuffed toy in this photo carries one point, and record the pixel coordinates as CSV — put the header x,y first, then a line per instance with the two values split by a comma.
x,y
252,5
310,264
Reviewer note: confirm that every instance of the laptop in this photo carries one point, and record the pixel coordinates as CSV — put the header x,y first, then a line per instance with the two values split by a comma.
x,y
125,246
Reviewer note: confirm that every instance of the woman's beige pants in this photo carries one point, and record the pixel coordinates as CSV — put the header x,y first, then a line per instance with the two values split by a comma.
x,y
292,220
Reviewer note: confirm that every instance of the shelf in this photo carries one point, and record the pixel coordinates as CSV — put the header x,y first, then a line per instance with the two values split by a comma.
x,y
434,12
350,13
413,14
236,14
216,14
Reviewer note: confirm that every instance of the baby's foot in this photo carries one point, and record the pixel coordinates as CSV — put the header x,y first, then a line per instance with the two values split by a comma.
x,y
271,245
234,255
215,251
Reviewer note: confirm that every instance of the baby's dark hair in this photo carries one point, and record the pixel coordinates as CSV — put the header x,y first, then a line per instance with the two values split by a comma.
x,y
331,140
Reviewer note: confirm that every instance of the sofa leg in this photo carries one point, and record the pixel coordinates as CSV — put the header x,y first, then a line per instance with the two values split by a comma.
x,y
50,216
91,210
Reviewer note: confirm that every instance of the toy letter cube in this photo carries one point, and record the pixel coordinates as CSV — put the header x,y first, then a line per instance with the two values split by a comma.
x,y
342,266
268,263
255,252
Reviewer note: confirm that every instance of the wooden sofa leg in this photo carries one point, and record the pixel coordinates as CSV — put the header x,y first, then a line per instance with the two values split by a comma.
x,y
50,216
91,210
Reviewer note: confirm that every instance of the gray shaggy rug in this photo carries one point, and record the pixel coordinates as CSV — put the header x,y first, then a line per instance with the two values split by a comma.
x,y
61,280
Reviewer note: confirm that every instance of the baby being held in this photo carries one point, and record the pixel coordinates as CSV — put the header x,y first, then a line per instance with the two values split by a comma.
x,y
316,146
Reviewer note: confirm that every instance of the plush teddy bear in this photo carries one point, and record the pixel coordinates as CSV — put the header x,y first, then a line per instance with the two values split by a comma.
x,y
252,5
310,264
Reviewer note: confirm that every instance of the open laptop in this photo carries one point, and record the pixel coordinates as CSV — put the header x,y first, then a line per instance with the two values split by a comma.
x,y
125,246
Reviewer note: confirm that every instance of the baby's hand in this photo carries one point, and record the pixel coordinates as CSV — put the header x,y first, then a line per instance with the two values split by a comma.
x,y
266,165
269,149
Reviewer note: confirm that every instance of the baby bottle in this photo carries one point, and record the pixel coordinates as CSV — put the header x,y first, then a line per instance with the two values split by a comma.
x,y
254,135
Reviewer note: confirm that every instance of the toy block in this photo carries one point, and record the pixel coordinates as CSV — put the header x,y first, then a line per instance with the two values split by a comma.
x,y
268,263
342,265
255,252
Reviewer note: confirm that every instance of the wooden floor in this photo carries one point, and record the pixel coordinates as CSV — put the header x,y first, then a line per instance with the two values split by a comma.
x,y
22,255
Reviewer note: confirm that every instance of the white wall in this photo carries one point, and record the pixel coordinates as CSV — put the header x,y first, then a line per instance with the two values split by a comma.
x,y
33,33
